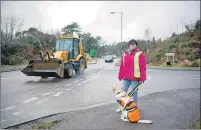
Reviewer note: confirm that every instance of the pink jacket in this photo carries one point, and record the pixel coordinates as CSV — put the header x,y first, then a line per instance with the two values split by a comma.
x,y
126,70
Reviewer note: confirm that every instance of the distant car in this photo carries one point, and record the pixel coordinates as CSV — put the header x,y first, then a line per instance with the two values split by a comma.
x,y
109,58
114,57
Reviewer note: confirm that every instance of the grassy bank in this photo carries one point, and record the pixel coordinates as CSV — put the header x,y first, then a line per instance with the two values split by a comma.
x,y
197,125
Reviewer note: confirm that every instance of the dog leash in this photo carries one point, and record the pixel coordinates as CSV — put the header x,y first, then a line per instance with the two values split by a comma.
x,y
134,90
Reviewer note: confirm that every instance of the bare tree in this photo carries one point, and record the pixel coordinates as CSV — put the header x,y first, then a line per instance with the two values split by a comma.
x,y
10,24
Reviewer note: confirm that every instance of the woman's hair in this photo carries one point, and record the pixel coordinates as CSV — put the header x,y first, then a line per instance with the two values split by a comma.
x,y
133,41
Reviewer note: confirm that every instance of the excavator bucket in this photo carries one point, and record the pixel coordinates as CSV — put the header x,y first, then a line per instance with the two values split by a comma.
x,y
50,68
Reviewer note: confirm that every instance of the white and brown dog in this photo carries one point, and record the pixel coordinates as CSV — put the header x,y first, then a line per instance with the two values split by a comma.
x,y
129,110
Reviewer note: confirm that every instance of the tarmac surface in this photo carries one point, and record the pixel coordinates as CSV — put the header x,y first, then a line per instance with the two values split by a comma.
x,y
27,98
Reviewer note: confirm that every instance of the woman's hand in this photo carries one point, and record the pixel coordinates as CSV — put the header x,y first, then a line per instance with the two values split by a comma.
x,y
141,82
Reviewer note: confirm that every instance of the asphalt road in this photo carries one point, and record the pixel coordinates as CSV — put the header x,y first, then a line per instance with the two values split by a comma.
x,y
26,98
174,109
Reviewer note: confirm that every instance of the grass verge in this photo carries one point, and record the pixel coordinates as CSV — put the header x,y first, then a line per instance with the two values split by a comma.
x,y
47,125
197,125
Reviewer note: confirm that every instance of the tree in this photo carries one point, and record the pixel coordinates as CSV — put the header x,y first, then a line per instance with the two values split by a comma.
x,y
174,34
10,24
24,33
32,30
197,25
91,42
153,41
18,34
71,28
187,28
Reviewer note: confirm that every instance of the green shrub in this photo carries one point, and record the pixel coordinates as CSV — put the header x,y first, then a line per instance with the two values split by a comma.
x,y
4,60
194,44
187,51
171,46
34,42
196,63
152,56
16,59
191,57
184,44
196,52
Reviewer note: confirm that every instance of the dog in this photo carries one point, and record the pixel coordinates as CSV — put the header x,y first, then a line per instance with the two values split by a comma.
x,y
129,110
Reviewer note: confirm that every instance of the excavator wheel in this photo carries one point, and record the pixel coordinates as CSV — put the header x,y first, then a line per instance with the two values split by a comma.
x,y
68,72
81,66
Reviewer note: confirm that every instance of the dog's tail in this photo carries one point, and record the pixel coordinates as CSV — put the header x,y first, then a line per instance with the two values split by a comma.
x,y
145,121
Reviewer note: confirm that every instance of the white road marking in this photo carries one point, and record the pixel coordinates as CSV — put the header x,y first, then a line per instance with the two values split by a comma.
x,y
31,99
149,77
85,81
69,84
101,71
12,77
196,78
95,105
17,113
79,84
105,69
40,102
57,94
88,77
3,121
95,76
57,88
44,94
109,67
77,81
68,89
9,108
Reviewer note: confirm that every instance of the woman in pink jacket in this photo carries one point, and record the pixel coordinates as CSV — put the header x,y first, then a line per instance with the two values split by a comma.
x,y
126,71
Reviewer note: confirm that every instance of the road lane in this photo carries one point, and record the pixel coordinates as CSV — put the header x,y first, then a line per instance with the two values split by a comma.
x,y
21,93
28,87
96,89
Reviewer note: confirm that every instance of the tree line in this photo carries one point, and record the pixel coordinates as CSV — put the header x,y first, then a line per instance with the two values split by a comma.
x,y
18,46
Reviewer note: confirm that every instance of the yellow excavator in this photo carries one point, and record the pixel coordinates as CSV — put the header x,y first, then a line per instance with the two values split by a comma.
x,y
68,56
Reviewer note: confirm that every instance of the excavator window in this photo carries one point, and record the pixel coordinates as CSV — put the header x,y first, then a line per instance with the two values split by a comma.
x,y
76,48
64,44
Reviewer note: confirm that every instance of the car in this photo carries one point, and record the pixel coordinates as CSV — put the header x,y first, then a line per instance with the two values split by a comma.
x,y
114,57
109,58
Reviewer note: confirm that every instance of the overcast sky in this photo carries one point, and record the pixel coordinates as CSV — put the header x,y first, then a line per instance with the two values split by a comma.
x,y
94,16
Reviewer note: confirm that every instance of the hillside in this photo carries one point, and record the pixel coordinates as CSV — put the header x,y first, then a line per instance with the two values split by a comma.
x,y
186,47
